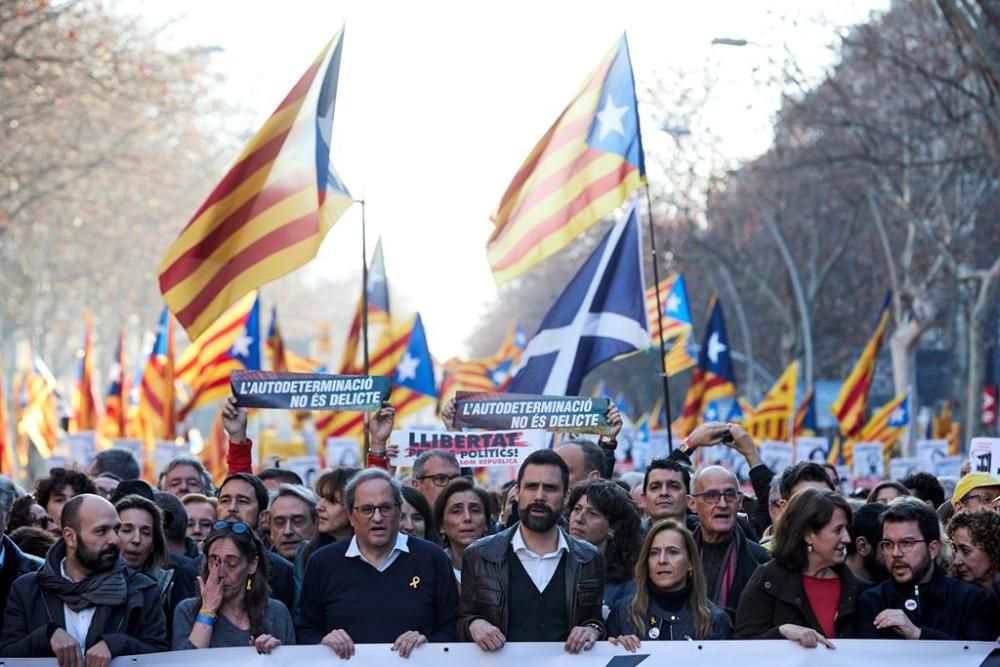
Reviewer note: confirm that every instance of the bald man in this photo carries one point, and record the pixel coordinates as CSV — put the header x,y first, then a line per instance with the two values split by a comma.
x,y
728,557
84,607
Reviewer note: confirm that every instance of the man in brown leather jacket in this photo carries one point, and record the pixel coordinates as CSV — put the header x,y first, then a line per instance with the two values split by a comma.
x,y
533,582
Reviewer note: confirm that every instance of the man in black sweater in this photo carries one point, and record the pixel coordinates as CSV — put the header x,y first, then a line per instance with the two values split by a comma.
x,y
382,586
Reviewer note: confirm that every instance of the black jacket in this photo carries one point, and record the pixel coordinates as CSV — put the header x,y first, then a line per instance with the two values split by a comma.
x,y
486,583
669,626
946,608
775,595
33,615
749,555
15,563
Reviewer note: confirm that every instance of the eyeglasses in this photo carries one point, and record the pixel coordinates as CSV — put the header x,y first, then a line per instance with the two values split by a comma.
x,y
440,479
905,546
713,497
237,527
385,509
983,498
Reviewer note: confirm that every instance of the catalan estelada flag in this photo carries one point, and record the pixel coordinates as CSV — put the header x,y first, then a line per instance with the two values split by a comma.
x,y
413,386
587,164
852,402
113,425
37,415
805,416
713,377
489,374
232,343
379,319
283,359
673,301
86,409
885,426
772,418
682,355
157,400
269,213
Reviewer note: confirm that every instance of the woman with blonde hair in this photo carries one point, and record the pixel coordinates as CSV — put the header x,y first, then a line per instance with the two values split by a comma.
x,y
671,600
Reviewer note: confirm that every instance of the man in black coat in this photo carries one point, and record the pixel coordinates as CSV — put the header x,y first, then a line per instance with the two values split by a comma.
x,y
919,601
84,604
13,562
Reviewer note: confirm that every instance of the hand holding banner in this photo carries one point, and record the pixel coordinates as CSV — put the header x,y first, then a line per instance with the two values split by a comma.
x,y
309,391
525,411
486,449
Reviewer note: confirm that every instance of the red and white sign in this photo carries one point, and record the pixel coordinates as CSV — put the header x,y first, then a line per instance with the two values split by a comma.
x,y
989,405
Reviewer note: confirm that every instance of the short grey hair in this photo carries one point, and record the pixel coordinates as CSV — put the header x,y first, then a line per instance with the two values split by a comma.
x,y
299,492
418,465
367,475
185,460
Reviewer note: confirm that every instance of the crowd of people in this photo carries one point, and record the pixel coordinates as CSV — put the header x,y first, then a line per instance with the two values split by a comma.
x,y
99,564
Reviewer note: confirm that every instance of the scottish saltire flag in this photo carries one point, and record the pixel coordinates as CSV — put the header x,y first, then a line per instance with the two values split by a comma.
x,y
270,212
600,315
713,377
587,164
413,386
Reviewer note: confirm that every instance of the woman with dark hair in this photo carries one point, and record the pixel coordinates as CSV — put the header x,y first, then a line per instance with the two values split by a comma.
x,y
807,594
886,491
27,512
975,535
333,520
144,548
233,606
415,516
603,514
462,515
670,600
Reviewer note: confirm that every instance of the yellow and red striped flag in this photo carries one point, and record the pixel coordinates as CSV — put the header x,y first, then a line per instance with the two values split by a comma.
x,y
37,421
352,360
157,400
85,403
713,377
852,402
773,415
489,374
270,212
113,425
805,416
6,443
587,164
681,355
888,424
673,301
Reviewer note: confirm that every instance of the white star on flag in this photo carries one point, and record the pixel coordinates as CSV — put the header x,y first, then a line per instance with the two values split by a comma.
x,y
498,376
673,303
241,346
898,416
715,348
610,118
407,369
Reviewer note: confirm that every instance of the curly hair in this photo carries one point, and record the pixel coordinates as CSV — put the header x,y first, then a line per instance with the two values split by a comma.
x,y
58,479
983,526
611,500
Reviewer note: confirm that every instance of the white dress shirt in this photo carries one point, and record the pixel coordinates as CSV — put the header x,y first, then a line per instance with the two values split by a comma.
x,y
77,622
539,567
401,546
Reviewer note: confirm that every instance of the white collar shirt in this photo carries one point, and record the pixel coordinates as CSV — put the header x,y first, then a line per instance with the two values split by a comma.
x,y
77,622
401,546
539,567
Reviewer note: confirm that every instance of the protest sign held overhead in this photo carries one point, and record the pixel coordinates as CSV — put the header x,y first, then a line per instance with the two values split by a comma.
x,y
309,391
525,411
487,449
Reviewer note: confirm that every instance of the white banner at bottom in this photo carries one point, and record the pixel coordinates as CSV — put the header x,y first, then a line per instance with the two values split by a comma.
x,y
848,653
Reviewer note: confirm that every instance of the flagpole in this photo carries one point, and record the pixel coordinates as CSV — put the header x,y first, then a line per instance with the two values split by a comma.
x,y
659,317
364,311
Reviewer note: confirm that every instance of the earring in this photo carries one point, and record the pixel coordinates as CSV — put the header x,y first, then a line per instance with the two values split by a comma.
x,y
249,583
809,548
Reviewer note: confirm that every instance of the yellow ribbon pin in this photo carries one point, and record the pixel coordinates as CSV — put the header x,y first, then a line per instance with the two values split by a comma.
x,y
414,582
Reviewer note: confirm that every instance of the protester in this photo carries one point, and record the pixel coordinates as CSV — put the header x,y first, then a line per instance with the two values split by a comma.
x,y
242,497
144,548
462,517
976,537
62,484
84,601
775,506
181,549
333,521
27,512
669,599
201,511
106,483
602,514
832,474
292,520
273,478
728,556
184,475
664,488
975,490
864,557
415,516
13,561
117,461
584,458
510,514
925,486
348,586
806,594
920,601
433,470
517,585
798,477
32,541
887,491
233,606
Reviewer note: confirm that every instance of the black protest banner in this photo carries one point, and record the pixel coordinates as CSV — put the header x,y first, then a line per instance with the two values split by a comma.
x,y
505,412
309,391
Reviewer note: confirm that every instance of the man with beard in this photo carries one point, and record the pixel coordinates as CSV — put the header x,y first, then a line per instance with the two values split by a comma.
x,y
84,605
533,582
728,556
920,601
863,555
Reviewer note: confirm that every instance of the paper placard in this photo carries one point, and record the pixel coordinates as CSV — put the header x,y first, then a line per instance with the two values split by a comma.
x,y
343,453
507,412
776,455
306,467
484,449
869,463
930,452
904,467
309,391
812,449
984,455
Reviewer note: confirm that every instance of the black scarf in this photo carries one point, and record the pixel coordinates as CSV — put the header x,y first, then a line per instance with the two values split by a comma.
x,y
98,590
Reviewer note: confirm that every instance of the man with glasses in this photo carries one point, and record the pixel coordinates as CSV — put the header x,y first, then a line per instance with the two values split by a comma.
x,y
432,471
729,558
382,586
975,490
919,601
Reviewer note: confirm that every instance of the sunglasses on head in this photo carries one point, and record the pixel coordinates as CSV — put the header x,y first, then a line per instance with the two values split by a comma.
x,y
237,527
